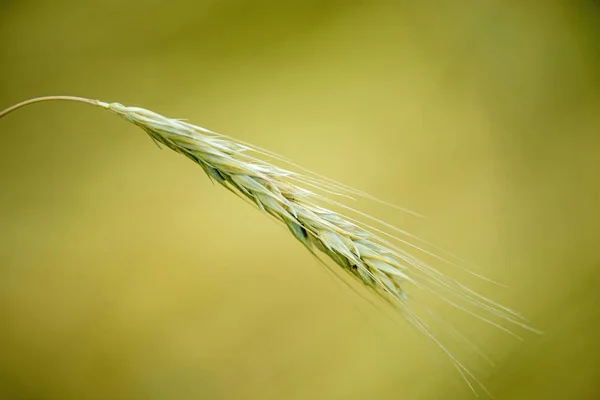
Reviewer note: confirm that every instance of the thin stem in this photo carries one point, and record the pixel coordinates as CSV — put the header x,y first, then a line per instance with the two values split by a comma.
x,y
49,98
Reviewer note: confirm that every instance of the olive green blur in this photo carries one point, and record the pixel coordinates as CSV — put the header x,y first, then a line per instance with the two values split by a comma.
x,y
125,274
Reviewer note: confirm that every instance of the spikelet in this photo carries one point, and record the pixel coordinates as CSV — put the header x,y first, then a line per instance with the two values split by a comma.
x,y
376,258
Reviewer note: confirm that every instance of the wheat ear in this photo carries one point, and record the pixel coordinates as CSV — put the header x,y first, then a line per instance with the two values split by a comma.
x,y
375,257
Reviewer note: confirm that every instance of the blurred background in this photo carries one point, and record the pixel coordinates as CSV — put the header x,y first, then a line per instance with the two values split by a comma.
x,y
125,274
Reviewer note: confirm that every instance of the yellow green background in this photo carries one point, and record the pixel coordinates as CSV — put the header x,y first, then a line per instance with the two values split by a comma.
x,y
125,274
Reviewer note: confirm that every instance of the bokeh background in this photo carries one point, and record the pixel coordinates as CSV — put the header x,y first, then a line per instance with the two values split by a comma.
x,y
125,274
